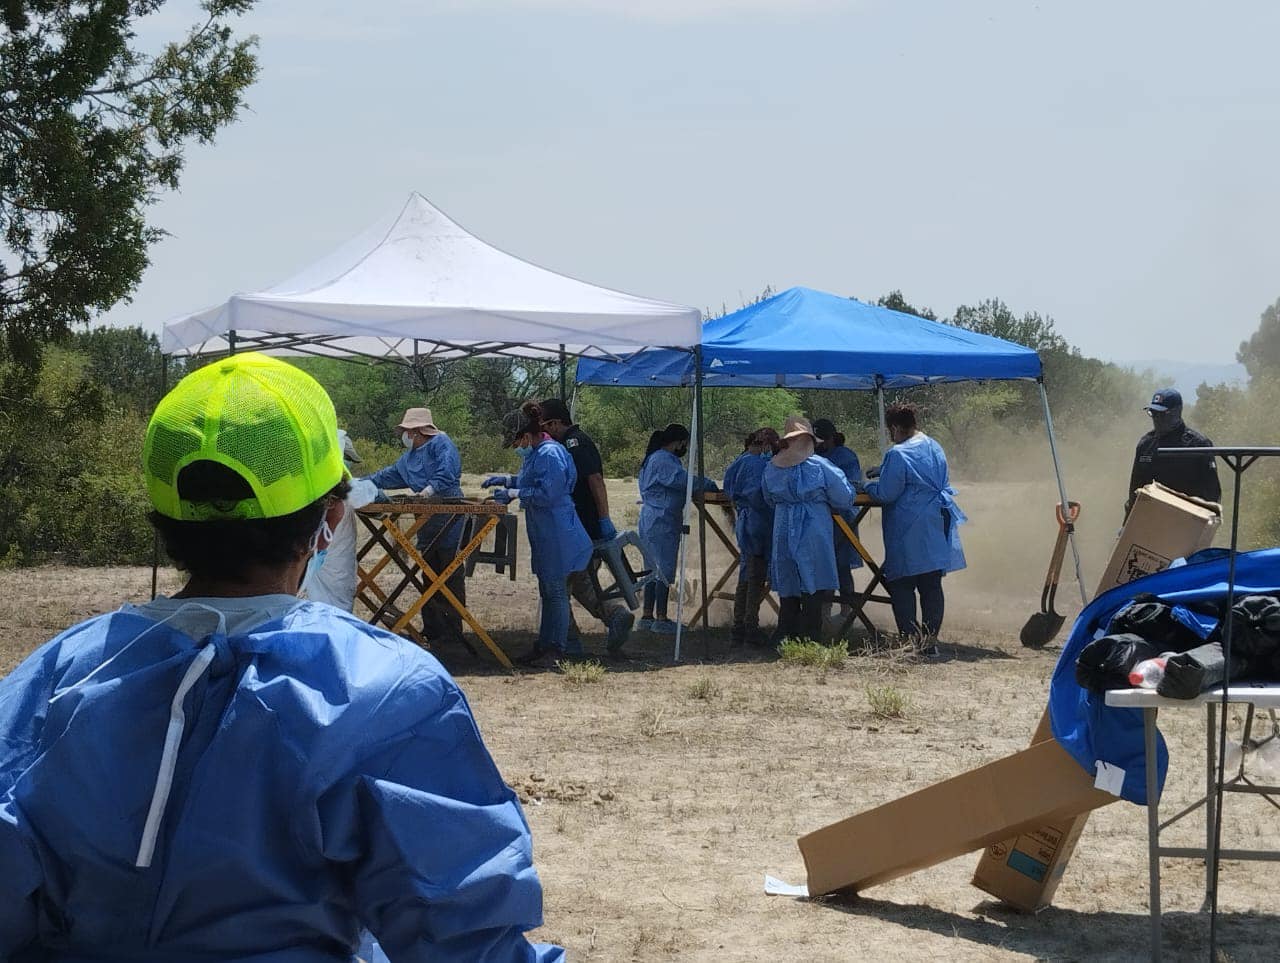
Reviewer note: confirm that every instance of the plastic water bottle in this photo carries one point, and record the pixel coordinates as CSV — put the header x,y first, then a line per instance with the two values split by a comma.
x,y
1148,673
1266,762
1231,759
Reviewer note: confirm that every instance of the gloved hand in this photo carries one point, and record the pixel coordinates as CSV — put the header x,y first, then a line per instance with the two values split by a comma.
x,y
427,492
363,491
496,481
607,531
505,496
873,471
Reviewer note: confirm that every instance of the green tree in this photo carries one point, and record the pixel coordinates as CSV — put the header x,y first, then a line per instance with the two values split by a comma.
x,y
92,129
894,301
1260,355
127,363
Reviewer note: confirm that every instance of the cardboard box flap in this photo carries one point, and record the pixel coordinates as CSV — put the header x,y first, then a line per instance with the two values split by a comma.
x,y
960,815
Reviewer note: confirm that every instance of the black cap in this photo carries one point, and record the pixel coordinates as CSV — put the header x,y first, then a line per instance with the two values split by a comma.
x,y
1166,399
553,409
824,428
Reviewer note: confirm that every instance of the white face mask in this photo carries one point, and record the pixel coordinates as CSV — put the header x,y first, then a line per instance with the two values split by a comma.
x,y
406,439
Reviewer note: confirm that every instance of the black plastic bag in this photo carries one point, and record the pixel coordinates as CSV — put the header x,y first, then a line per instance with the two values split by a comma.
x,y
1105,663
1187,674
1255,636
1154,620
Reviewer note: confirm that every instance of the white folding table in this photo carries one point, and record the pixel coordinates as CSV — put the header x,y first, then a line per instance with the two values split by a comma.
x,y
1260,696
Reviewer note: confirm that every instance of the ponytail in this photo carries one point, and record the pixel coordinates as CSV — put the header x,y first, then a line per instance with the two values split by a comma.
x,y
656,441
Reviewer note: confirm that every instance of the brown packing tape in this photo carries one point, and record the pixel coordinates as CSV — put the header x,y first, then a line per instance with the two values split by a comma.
x,y
960,815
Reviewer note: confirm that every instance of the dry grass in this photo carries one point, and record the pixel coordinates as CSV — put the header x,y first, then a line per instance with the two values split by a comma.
x,y
887,702
654,819
582,672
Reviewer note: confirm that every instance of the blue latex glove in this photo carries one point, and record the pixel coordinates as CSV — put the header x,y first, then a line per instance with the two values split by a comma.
x,y
496,481
873,472
505,496
607,531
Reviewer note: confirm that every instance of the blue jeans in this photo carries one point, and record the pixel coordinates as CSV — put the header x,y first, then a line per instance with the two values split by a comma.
x,y
553,627
655,598
903,593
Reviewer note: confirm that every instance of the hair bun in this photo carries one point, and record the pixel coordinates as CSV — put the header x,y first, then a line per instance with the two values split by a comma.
x,y
532,410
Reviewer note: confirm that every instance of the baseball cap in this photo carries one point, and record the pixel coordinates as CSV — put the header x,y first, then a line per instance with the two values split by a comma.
x,y
1165,399
824,428
267,421
553,409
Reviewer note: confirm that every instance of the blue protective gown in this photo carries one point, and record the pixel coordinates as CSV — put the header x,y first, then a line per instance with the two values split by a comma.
x,y
803,559
328,777
436,463
558,544
753,521
663,481
920,516
846,460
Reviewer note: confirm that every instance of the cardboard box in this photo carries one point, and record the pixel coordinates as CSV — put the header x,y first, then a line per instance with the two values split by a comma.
x,y
1024,870
1163,525
979,808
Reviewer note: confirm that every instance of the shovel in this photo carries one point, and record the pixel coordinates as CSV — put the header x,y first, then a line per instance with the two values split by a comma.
x,y
1044,625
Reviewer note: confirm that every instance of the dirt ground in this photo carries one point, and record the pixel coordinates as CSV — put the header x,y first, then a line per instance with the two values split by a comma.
x,y
662,794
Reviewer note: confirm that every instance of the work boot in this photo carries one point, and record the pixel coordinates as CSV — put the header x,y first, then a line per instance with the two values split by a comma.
x,y
619,630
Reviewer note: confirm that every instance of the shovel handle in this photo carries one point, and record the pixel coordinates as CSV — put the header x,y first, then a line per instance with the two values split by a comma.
x,y
1067,519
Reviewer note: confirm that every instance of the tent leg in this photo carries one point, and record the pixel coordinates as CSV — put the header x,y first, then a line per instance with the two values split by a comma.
x,y
231,341
702,515
155,534
684,527
564,374
884,431
1062,489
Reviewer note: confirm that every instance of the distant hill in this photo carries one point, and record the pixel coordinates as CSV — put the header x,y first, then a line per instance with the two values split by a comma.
x,y
1186,376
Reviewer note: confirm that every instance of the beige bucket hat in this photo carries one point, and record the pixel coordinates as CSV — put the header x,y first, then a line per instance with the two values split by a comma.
x,y
419,418
798,436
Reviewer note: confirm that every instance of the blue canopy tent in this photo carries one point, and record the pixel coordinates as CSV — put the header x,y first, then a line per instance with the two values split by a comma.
x,y
802,338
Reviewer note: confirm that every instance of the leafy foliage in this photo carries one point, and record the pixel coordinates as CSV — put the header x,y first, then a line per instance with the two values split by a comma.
x,y
1260,355
91,131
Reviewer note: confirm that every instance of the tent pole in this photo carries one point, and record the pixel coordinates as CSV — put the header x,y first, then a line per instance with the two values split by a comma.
x,y
1062,489
702,514
684,527
884,431
564,373
231,341
155,533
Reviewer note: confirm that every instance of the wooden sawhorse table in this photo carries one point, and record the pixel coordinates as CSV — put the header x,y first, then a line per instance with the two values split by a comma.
x,y
863,503
704,501
384,522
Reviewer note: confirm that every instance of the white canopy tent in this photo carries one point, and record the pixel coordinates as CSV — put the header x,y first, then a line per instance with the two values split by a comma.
x,y
416,286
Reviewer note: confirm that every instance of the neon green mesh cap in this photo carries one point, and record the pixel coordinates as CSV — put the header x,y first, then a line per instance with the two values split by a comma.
x,y
269,422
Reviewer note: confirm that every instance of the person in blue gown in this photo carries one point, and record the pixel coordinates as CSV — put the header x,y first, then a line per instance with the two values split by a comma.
x,y
558,544
753,531
804,489
233,774
431,467
663,490
831,446
921,525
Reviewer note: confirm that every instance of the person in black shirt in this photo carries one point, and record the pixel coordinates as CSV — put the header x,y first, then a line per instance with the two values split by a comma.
x,y
1190,476
592,503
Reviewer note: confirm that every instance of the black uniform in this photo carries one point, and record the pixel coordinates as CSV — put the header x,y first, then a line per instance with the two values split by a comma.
x,y
586,458
1190,476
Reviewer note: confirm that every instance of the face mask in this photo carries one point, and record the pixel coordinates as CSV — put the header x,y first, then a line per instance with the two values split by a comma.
x,y
1166,421
406,439
682,451
317,555
523,450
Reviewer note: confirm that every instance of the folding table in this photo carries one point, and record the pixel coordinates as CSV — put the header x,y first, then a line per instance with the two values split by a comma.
x,y
1260,696
703,501
393,526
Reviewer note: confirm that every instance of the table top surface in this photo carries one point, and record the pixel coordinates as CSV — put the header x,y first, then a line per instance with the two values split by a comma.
x,y
421,506
1264,694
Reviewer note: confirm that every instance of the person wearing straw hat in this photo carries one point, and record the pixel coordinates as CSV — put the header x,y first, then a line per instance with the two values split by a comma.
x,y
804,489
432,468
235,774
921,523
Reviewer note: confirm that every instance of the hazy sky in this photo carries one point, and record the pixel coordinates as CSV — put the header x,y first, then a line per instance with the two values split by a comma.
x,y
1113,164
